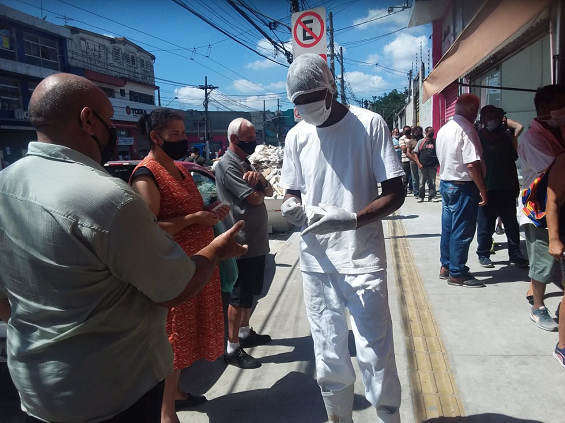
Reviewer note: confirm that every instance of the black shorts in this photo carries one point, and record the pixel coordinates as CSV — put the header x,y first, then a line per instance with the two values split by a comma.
x,y
249,282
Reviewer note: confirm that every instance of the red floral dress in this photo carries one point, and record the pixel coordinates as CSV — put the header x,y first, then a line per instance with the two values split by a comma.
x,y
196,327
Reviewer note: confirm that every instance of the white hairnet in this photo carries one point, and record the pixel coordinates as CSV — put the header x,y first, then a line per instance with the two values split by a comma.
x,y
307,74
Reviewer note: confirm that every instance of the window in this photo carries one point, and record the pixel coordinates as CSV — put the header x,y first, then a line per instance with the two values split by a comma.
x,y
130,59
108,91
41,51
31,86
117,55
145,65
141,98
7,42
9,94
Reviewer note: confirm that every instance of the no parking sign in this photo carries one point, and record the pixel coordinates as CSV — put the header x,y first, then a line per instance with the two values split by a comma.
x,y
309,32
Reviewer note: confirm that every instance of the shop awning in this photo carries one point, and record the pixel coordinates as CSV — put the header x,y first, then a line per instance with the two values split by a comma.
x,y
495,23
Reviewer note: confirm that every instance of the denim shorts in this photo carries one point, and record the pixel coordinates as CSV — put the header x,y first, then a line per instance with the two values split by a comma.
x,y
542,264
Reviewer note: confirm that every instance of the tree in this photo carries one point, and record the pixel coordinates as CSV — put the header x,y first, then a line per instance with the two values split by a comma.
x,y
389,104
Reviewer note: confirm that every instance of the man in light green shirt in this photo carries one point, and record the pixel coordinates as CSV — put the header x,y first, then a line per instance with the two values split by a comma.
x,y
86,274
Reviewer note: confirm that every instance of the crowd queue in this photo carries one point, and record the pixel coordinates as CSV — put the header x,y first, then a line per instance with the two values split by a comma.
x,y
110,290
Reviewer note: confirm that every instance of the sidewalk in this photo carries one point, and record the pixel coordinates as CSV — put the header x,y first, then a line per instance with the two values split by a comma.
x,y
503,370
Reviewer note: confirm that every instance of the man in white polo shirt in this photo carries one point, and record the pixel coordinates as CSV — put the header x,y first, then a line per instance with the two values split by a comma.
x,y
462,189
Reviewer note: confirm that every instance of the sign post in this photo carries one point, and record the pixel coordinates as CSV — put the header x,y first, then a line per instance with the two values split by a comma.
x,y
309,32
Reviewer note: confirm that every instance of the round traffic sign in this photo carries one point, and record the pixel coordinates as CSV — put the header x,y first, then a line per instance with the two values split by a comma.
x,y
313,36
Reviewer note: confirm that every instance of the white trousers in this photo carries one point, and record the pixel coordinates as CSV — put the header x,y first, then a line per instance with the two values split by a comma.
x,y
366,297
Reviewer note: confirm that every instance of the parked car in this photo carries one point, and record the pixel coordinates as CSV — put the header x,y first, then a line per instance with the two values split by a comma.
x,y
206,183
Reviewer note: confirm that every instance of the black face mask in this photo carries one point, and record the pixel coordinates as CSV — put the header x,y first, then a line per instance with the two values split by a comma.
x,y
407,132
175,150
248,147
431,135
108,151
418,136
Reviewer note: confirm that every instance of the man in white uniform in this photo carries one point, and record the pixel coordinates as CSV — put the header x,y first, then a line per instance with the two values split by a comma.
x,y
333,161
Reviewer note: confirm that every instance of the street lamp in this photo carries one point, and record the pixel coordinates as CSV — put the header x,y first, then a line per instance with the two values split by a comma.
x,y
176,98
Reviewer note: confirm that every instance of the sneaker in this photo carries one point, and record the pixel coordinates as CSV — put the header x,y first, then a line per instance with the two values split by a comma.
x,y
499,230
485,262
254,339
467,281
437,200
542,318
519,262
241,359
420,200
559,355
443,273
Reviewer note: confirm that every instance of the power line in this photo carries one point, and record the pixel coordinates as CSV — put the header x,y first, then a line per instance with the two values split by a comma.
x,y
209,22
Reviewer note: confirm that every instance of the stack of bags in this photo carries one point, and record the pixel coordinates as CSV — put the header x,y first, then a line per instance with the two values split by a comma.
x,y
268,159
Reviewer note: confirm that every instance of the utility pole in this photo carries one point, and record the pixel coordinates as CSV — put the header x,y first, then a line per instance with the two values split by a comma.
x,y
278,123
264,129
294,7
206,87
332,54
343,100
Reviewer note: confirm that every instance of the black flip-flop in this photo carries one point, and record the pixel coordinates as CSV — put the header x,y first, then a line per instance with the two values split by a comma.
x,y
191,401
530,299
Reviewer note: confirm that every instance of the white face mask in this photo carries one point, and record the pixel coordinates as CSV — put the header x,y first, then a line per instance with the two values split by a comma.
x,y
315,113
557,118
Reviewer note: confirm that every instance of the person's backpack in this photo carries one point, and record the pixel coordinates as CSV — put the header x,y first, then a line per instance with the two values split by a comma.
x,y
534,198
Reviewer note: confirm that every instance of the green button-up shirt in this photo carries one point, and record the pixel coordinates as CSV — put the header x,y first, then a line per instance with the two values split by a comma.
x,y
83,264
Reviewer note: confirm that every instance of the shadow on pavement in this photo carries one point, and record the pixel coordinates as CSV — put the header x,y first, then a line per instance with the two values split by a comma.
x,y
294,398
481,418
400,216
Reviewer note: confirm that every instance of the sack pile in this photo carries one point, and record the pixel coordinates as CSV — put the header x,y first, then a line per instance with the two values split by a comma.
x,y
268,159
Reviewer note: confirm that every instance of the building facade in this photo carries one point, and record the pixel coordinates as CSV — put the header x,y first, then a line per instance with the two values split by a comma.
x,y
30,50
501,50
125,72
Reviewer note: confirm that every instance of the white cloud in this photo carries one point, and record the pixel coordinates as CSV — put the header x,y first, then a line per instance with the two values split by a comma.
x,y
276,86
190,97
256,101
378,17
261,64
245,85
403,49
266,48
362,82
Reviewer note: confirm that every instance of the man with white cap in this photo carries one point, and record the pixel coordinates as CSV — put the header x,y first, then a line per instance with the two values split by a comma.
x,y
333,161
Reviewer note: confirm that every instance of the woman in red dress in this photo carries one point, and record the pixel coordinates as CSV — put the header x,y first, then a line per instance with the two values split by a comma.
x,y
195,328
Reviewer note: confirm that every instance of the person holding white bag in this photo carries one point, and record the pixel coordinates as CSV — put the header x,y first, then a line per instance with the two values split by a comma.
x,y
333,161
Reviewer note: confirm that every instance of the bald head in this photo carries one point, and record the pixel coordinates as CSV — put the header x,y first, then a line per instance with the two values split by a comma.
x,y
71,111
61,96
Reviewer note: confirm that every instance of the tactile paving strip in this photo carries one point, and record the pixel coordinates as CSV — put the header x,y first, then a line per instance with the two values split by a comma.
x,y
434,391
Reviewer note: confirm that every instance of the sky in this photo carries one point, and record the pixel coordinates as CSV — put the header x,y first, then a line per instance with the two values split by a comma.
x,y
378,49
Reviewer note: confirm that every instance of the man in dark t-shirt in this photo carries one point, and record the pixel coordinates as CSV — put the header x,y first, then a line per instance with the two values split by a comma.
x,y
427,163
502,186
245,189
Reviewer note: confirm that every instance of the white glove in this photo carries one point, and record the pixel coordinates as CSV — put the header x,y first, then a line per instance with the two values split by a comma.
x,y
326,219
294,212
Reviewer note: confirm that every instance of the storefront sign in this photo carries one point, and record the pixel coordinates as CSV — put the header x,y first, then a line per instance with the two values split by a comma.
x,y
21,114
125,141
